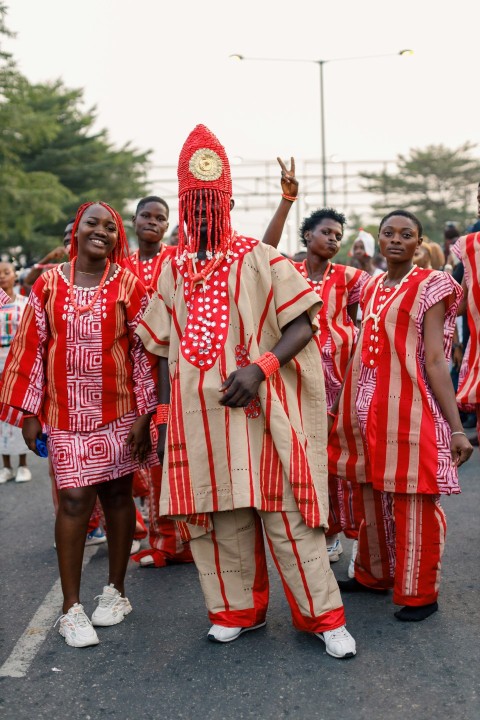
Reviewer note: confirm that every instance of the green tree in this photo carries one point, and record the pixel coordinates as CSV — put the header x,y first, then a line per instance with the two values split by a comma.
x,y
437,183
51,160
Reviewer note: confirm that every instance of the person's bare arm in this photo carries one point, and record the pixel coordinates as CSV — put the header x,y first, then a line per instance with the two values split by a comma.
x,y
163,399
242,385
59,253
289,184
440,381
462,305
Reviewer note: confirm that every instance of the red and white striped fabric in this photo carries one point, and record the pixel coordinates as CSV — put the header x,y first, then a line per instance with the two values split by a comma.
x,y
218,458
467,249
390,430
400,545
340,288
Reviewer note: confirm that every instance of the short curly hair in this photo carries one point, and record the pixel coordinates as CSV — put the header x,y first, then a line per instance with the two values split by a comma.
x,y
311,222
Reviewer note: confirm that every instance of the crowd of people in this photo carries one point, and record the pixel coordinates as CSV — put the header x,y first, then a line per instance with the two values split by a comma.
x,y
243,396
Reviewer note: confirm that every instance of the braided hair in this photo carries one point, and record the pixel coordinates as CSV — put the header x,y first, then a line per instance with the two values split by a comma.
x,y
121,250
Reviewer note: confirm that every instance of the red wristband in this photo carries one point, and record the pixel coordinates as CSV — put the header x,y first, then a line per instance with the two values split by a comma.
x,y
163,411
28,415
330,414
268,363
290,198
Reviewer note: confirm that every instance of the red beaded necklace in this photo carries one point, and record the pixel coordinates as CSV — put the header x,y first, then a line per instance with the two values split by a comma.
x,y
85,308
206,271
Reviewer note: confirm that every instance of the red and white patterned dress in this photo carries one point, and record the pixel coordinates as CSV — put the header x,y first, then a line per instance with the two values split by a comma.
x,y
86,376
390,430
391,437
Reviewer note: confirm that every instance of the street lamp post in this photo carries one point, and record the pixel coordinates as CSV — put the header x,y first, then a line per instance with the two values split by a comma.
x,y
320,64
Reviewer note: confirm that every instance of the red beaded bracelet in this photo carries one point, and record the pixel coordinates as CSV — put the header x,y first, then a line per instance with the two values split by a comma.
x,y
268,363
290,198
161,418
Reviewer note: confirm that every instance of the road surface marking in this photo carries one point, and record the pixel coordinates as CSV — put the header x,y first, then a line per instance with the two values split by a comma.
x,y
23,654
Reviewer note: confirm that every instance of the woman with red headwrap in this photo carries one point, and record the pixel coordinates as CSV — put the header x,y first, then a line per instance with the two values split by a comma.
x,y
242,412
77,370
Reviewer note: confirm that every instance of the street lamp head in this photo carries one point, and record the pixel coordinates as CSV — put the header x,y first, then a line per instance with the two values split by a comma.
x,y
236,56
405,52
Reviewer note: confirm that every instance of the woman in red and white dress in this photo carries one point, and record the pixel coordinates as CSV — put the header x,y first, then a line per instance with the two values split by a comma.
x,y
77,370
398,432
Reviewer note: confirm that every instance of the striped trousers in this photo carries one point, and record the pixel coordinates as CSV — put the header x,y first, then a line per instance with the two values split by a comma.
x,y
232,567
345,507
400,545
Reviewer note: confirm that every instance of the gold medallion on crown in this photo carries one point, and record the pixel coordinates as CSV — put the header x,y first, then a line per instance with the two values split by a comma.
x,y
205,164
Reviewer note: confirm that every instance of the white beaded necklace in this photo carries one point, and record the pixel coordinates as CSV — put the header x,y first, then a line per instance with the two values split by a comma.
x,y
375,316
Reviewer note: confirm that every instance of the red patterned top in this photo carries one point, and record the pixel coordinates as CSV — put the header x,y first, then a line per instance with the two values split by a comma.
x,y
148,271
339,288
79,373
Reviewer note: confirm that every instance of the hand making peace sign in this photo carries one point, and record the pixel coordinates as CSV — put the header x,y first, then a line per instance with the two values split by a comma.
x,y
288,180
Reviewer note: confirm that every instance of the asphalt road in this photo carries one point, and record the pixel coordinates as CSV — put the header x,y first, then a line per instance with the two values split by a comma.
x,y
158,665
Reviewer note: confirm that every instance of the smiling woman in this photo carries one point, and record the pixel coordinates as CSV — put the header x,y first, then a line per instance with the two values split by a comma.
x,y
84,378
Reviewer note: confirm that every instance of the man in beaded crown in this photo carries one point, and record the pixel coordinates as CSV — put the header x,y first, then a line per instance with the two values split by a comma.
x,y
204,182
241,420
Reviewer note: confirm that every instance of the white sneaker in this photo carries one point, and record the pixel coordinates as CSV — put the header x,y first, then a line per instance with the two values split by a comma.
x,y
76,628
6,474
23,475
351,564
338,643
219,633
112,607
334,548
136,544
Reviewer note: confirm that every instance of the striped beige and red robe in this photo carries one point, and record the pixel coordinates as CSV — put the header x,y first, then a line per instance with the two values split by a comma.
x,y
220,458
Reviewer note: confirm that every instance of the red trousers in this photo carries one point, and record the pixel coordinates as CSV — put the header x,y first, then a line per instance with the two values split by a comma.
x,y
163,535
400,545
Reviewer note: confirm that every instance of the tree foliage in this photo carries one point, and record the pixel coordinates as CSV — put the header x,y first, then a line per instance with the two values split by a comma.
x,y
437,183
51,160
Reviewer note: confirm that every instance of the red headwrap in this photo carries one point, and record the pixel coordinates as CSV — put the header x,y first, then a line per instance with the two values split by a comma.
x,y
121,249
204,176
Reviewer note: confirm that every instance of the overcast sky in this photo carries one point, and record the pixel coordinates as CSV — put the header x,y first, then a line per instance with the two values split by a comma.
x,y
156,68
